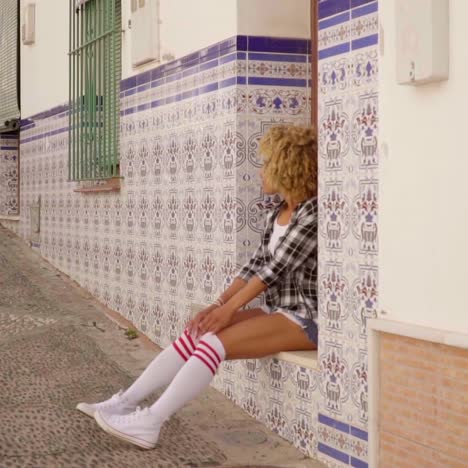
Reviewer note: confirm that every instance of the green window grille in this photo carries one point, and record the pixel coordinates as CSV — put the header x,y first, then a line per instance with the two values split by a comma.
x,y
95,71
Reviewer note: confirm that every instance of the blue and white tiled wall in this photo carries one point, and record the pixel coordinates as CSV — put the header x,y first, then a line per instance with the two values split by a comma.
x,y
201,132
187,214
189,137
348,244
8,174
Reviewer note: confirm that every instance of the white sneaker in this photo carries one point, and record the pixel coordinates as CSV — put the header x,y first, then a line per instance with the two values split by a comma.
x,y
114,405
139,428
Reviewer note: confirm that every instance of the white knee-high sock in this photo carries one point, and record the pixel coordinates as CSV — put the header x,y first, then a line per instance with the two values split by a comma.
x,y
192,379
163,368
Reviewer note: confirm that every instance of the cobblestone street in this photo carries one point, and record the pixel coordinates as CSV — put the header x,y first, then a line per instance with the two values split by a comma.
x,y
58,347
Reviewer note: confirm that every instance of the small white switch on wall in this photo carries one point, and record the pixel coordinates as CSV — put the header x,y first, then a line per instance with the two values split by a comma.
x,y
28,27
422,41
145,31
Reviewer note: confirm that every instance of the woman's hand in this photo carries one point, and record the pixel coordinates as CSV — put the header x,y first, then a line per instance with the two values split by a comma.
x,y
216,320
194,324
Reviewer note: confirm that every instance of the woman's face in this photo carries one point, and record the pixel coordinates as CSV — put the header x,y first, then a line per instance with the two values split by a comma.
x,y
266,187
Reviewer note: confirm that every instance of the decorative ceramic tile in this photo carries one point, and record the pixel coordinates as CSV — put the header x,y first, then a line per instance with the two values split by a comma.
x,y
359,382
365,130
335,132
334,32
364,22
278,66
8,175
365,227
363,68
334,217
281,101
340,442
365,293
335,74
334,376
334,308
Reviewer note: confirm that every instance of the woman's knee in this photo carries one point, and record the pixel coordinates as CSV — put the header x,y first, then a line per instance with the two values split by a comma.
x,y
212,346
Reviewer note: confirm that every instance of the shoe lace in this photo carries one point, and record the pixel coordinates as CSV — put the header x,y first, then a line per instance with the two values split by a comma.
x,y
114,399
135,415
128,418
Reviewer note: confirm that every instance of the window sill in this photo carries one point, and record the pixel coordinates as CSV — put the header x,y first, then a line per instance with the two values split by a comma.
x,y
110,185
9,218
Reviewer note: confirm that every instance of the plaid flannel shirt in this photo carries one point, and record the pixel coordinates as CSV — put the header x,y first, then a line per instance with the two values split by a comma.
x,y
291,273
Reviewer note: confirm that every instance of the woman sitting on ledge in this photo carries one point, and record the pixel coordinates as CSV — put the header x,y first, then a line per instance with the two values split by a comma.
x,y
284,267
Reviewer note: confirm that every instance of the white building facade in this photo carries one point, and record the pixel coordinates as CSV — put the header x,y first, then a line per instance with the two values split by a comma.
x,y
184,213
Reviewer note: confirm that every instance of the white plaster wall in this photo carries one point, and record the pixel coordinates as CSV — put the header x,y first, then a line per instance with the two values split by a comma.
x,y
279,18
187,26
44,65
424,189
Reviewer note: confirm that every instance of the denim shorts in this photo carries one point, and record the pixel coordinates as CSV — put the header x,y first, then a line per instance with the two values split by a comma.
x,y
308,325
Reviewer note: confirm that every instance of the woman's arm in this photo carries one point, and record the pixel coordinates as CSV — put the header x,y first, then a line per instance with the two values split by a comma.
x,y
253,265
257,260
236,286
220,317
248,292
257,276
299,245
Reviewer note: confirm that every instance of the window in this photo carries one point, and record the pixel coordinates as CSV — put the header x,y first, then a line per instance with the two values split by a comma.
x,y
95,71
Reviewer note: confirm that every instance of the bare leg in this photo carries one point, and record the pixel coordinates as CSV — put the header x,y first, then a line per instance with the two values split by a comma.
x,y
248,314
166,364
263,335
254,337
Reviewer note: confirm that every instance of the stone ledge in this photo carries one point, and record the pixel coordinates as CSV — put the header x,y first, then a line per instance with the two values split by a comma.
x,y
307,359
9,217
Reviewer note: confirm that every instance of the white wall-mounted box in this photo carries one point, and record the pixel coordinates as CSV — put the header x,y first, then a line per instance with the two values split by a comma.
x,y
28,26
422,41
145,31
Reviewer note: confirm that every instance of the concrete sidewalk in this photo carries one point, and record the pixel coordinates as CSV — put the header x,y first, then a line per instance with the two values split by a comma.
x,y
58,346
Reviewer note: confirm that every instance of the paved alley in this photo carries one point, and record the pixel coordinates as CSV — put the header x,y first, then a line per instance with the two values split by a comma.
x,y
58,347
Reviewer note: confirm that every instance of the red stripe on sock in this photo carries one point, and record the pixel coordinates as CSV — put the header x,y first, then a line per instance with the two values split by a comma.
x,y
179,351
212,350
205,362
182,342
187,334
208,355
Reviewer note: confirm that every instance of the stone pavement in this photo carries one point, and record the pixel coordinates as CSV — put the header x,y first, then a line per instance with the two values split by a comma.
x,y
59,346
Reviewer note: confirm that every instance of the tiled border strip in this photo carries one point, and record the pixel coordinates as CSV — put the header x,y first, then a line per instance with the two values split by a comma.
x,y
346,429
218,54
329,8
8,136
235,48
213,53
43,135
365,10
343,16
45,114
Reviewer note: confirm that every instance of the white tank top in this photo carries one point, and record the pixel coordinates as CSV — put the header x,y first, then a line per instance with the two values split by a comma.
x,y
278,231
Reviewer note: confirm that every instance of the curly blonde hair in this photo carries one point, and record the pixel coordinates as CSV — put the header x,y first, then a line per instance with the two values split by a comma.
x,y
290,160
